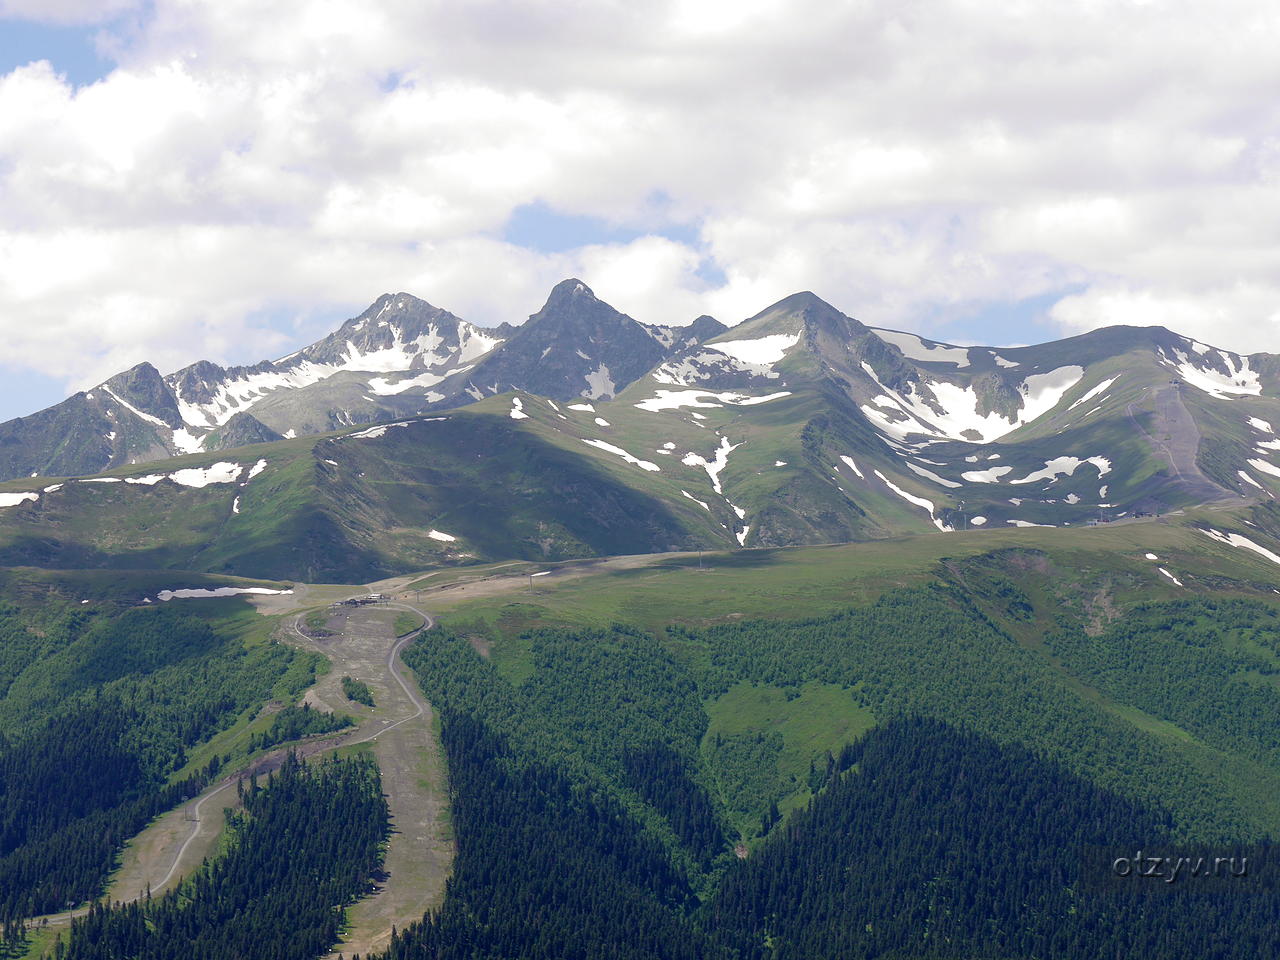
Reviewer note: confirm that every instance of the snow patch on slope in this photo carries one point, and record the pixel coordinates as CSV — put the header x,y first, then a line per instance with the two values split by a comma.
x,y
1065,465
764,351
991,475
912,498
618,451
1094,392
1248,479
195,592
222,472
1265,466
930,475
186,443
702,503
134,410
917,348
1236,540
385,388
674,399
953,410
1241,382
599,384
713,467
373,433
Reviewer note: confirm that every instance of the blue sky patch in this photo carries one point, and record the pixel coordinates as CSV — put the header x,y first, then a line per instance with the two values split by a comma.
x,y
71,50
536,226
1003,322
26,391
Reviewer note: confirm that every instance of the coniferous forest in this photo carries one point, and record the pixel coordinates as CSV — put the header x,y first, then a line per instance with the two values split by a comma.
x,y
607,798
306,843
102,711
294,723
930,836
936,842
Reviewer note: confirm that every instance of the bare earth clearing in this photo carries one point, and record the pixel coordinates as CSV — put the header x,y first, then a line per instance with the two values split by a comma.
x,y
1177,439
413,771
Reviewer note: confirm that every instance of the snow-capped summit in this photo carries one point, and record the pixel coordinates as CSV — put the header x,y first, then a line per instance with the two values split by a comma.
x,y
399,357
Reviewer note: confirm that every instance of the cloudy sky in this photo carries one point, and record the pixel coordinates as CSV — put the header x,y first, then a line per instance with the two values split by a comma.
x,y
185,179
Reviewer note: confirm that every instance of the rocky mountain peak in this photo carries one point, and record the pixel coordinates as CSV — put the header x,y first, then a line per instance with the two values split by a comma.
x,y
143,390
572,306
803,312
569,290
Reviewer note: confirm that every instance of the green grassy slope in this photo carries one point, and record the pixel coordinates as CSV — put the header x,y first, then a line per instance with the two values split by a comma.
x,y
1032,600
353,507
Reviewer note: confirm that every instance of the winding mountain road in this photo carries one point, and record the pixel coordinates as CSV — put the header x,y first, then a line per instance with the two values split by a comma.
x,y
398,730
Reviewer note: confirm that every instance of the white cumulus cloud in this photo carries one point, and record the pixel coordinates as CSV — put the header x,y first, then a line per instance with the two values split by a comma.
x,y
909,163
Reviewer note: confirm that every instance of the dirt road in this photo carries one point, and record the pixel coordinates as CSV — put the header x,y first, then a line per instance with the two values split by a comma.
x,y
1176,438
409,757
400,730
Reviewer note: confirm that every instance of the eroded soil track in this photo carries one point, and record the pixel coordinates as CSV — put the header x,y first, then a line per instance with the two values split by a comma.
x,y
401,731
1175,438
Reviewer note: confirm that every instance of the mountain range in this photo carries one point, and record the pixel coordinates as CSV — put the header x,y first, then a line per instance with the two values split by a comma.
x,y
401,356
410,437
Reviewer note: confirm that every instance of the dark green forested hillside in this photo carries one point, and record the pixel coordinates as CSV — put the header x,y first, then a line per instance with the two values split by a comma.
x,y
922,839
306,844
294,723
936,843
100,711
940,843
1208,665
932,650
547,868
924,774
71,793
610,709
